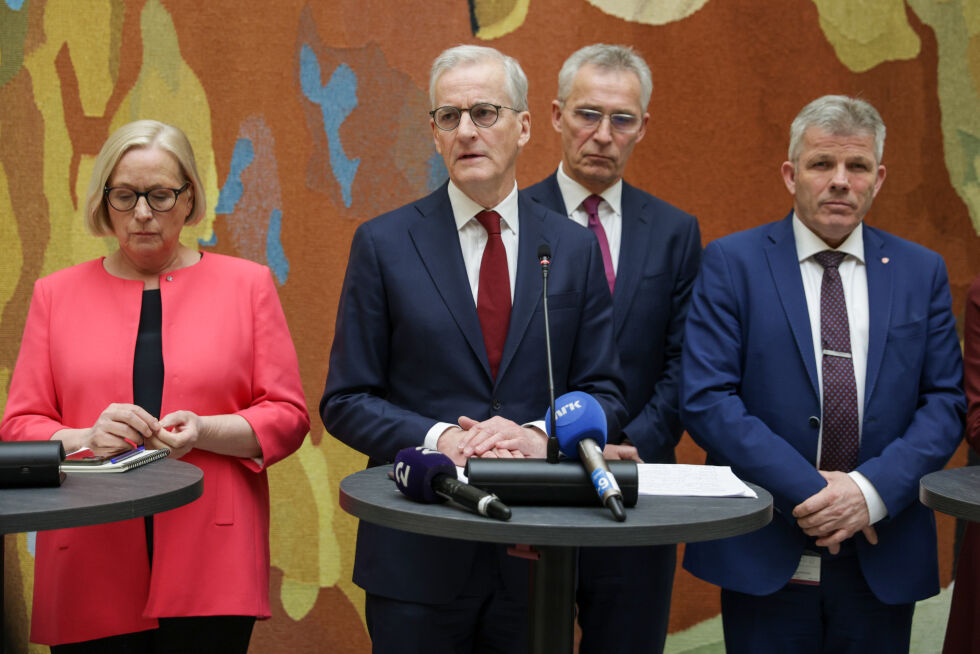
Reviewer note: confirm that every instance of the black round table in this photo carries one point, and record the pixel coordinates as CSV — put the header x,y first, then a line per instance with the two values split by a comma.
x,y
89,499
955,492
94,498
555,532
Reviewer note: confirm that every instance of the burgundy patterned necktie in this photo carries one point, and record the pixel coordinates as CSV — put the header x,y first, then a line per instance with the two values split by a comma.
x,y
591,206
493,294
839,450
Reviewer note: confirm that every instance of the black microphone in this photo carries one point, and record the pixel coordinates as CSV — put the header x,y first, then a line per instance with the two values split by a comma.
x,y
544,258
582,434
429,476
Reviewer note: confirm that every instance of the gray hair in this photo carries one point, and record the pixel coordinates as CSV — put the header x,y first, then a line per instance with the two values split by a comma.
x,y
840,115
477,54
139,134
615,57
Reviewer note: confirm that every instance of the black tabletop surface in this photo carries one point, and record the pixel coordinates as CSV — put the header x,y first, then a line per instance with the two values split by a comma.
x,y
955,491
89,499
655,520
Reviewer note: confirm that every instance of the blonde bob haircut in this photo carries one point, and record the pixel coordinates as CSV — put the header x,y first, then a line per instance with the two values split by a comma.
x,y
140,134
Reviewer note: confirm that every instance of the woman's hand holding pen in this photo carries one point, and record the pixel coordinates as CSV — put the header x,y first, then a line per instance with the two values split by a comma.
x,y
118,428
228,434
179,431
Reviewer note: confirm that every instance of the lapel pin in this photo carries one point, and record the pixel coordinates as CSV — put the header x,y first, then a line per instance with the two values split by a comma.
x,y
885,259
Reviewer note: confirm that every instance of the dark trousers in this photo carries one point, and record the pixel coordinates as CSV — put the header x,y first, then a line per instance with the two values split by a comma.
x,y
221,634
840,616
623,598
483,619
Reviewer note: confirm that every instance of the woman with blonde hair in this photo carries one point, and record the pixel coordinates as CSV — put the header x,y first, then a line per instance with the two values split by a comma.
x,y
163,346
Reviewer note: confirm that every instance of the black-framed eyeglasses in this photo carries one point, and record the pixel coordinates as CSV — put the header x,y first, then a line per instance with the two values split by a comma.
x,y
591,119
122,198
483,114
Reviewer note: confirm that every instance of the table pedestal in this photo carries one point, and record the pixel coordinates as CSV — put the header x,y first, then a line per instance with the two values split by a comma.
x,y
552,600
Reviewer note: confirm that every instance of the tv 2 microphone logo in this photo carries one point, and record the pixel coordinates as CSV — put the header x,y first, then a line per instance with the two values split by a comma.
x,y
403,471
571,406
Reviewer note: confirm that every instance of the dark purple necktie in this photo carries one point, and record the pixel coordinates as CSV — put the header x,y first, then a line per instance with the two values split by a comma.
x,y
493,294
591,206
839,450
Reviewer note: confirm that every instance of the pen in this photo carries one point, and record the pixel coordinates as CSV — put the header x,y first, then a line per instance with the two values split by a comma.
x,y
125,455
130,441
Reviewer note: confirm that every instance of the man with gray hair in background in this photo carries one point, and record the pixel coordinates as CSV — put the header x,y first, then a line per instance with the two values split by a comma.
x,y
821,362
440,342
651,252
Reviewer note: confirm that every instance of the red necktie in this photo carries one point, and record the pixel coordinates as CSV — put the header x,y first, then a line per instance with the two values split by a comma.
x,y
493,294
591,206
839,450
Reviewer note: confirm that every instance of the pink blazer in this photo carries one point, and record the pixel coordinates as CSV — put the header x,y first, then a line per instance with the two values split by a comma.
x,y
226,349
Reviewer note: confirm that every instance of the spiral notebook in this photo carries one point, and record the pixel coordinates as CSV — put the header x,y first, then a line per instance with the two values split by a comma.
x,y
135,461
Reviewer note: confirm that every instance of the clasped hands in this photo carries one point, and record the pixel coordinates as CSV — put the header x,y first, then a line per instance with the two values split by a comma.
x,y
119,423
496,437
501,438
835,513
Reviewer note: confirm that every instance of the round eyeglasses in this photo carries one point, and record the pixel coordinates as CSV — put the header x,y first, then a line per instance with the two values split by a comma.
x,y
483,114
122,198
592,119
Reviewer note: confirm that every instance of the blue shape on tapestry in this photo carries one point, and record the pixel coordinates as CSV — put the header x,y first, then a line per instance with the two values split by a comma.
x,y
241,157
232,191
438,174
337,99
274,253
15,4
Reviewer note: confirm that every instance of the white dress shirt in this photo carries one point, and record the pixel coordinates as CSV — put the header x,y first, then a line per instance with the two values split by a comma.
x,y
610,210
472,241
854,278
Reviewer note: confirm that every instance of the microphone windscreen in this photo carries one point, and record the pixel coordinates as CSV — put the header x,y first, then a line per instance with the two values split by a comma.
x,y
416,467
544,251
578,416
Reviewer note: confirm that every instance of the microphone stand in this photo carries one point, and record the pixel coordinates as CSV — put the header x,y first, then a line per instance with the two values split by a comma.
x,y
544,258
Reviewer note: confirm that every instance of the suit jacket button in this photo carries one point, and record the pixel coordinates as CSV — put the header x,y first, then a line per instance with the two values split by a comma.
x,y
814,421
496,405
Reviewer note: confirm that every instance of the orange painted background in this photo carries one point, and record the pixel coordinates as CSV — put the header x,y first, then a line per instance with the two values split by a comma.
x,y
310,117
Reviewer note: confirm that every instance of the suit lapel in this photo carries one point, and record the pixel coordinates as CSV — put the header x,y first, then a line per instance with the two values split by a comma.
x,y
437,242
632,250
784,266
879,307
527,287
633,242
549,194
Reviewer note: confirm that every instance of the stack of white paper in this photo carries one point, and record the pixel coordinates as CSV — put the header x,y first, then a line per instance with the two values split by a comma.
x,y
691,480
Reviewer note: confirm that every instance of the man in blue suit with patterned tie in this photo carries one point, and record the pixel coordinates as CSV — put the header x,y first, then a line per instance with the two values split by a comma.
x,y
440,341
822,362
651,255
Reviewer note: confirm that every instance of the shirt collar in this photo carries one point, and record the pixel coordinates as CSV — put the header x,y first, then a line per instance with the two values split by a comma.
x,y
465,209
808,243
573,193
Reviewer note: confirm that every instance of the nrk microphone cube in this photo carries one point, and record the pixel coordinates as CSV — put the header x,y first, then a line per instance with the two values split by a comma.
x,y
579,416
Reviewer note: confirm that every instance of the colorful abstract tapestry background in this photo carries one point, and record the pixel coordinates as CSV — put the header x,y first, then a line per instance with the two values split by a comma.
x,y
310,117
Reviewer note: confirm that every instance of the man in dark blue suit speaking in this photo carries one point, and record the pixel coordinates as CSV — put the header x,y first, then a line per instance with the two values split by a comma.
x,y
440,341
652,251
822,362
